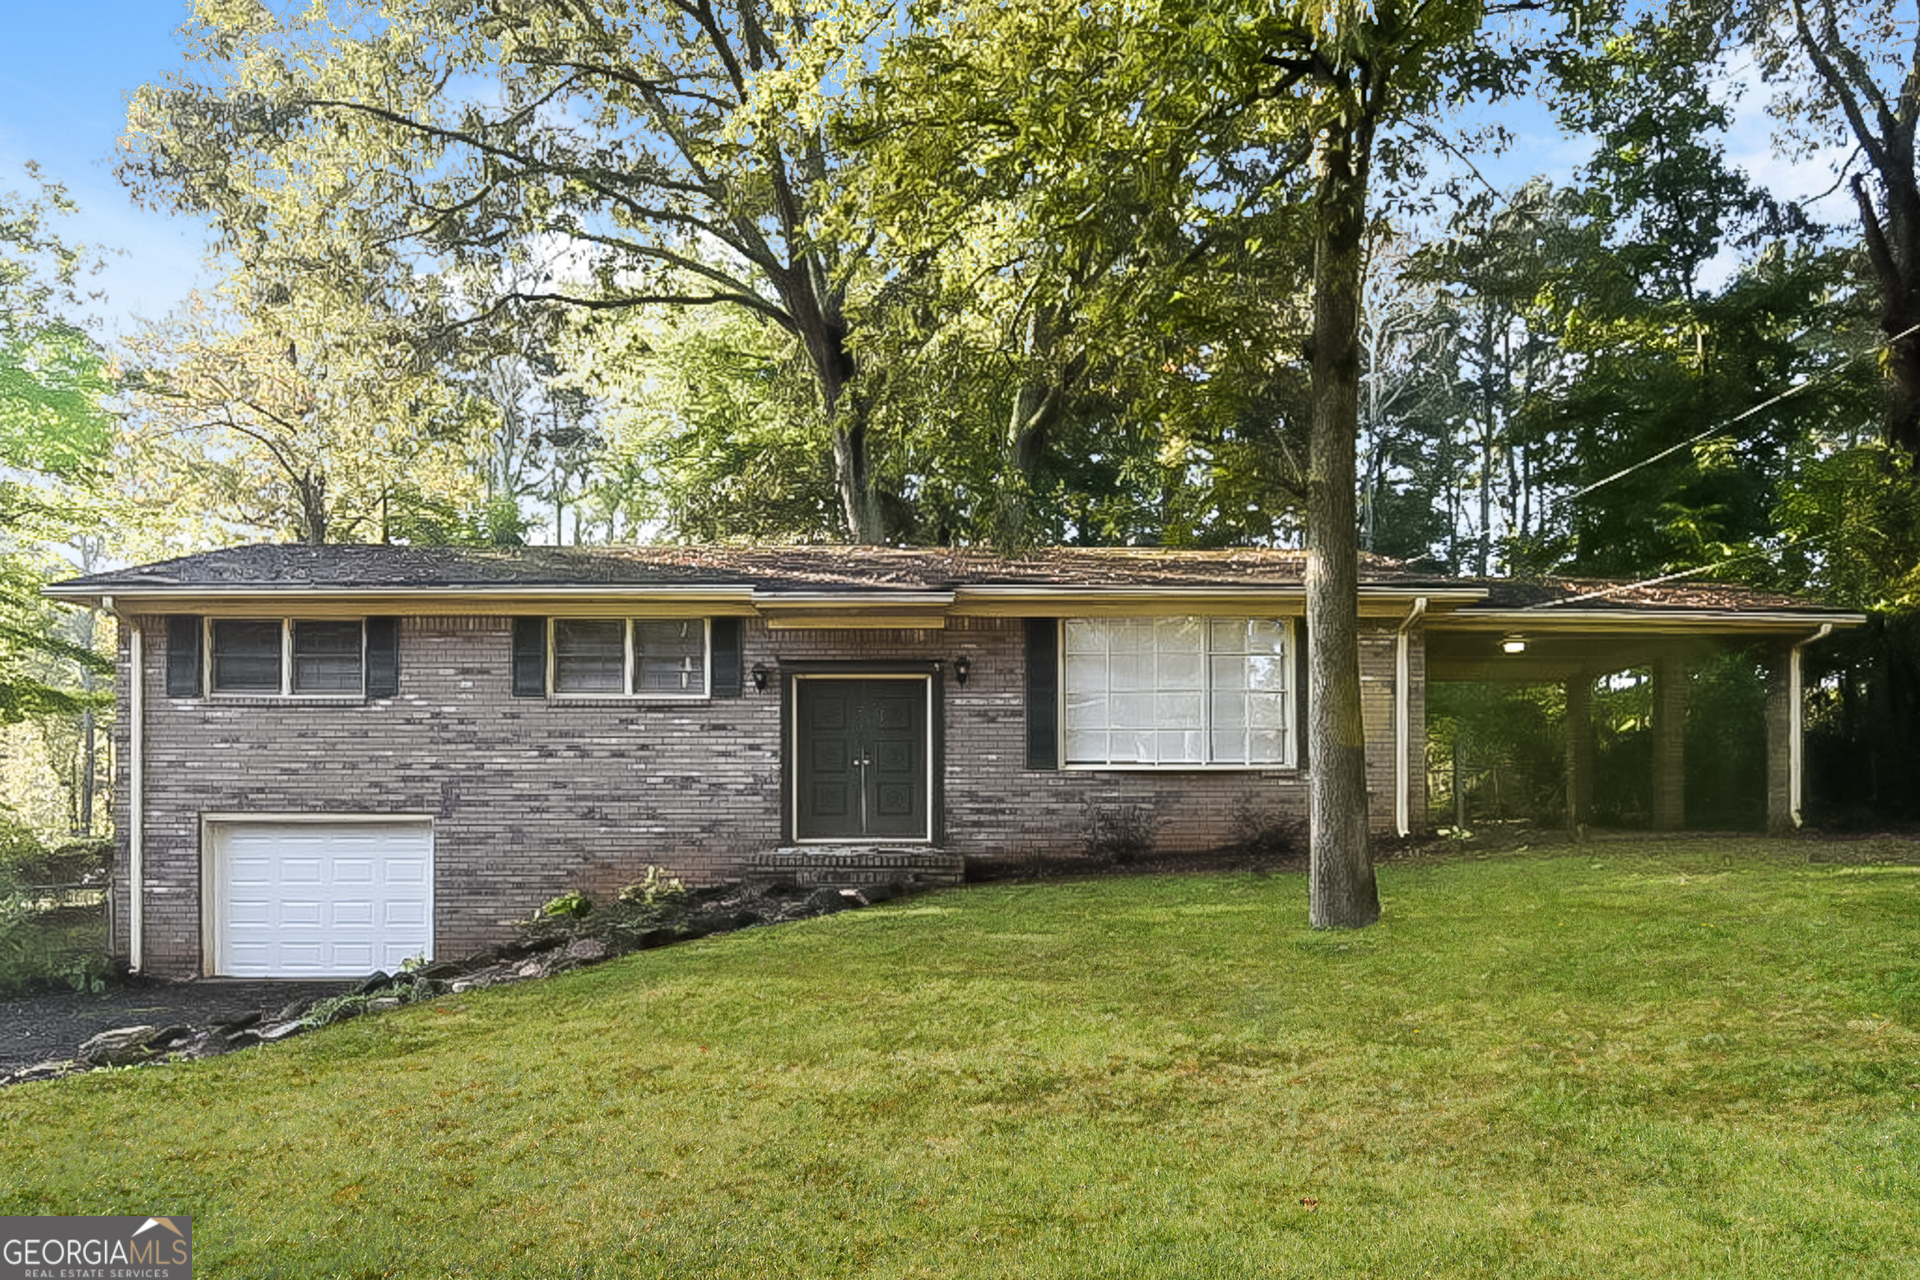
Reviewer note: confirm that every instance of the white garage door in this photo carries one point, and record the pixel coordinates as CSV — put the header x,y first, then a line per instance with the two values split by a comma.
x,y
321,899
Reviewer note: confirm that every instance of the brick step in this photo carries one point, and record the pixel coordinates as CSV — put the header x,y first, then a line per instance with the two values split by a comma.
x,y
855,866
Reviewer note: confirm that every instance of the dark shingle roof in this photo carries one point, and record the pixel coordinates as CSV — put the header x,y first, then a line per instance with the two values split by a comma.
x,y
862,569
1547,594
809,568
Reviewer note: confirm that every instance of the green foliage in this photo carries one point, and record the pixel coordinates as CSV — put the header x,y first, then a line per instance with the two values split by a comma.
x,y
54,438
654,890
571,905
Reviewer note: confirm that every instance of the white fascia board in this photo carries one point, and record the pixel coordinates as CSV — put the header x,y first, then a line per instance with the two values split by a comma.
x,y
124,596
1543,621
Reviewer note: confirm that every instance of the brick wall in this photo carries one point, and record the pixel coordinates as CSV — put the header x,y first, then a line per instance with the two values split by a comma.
x,y
531,797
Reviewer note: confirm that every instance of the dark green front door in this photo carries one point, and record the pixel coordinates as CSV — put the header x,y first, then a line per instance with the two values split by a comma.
x,y
861,759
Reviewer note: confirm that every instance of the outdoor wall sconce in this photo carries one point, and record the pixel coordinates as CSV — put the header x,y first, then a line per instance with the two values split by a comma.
x,y
760,676
1513,643
962,665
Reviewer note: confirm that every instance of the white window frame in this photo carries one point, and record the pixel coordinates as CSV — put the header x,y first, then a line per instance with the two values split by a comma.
x,y
1290,715
630,665
286,690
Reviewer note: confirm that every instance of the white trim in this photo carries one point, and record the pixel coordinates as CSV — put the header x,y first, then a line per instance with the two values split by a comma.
x,y
793,765
136,800
1796,711
1403,722
141,592
1545,620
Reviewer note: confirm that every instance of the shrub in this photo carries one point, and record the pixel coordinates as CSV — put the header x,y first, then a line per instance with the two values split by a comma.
x,y
40,948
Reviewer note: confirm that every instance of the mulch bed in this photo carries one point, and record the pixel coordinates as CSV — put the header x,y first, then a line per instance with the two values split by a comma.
x,y
34,1028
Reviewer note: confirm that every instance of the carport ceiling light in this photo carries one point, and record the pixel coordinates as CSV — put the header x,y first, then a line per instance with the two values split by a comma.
x,y
1513,642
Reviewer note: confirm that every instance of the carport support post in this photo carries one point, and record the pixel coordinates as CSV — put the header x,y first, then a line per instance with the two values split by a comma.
x,y
1782,727
1669,742
1579,697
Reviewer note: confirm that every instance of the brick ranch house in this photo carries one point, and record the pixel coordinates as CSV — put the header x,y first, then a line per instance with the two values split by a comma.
x,y
334,758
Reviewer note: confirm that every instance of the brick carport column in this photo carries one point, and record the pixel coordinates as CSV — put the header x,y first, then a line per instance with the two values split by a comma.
x,y
1669,742
1782,725
1579,727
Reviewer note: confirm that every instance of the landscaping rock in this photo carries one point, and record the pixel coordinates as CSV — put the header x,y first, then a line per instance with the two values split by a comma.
x,y
530,969
207,1044
585,950
50,1070
170,1037
827,901
383,1003
119,1047
292,1011
237,1025
281,1031
374,983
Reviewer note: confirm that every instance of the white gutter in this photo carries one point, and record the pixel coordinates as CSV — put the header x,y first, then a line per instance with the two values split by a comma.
x,y
1795,714
1403,722
136,800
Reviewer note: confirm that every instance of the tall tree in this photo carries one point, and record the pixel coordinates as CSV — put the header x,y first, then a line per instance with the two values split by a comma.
x,y
624,153
54,437
1848,73
322,432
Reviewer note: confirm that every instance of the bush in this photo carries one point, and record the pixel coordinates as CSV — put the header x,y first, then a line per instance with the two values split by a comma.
x,y
24,860
40,948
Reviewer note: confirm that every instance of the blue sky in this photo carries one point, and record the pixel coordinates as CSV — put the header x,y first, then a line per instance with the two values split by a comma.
x,y
66,68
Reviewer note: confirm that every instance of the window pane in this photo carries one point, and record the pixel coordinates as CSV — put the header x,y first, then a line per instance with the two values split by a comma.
x,y
326,657
670,655
589,655
1229,745
1182,746
246,655
1087,711
1269,674
1086,746
1086,635
1264,635
1266,746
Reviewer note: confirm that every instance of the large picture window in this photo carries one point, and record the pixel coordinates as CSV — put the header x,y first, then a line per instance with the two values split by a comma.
x,y
1177,692
281,657
631,657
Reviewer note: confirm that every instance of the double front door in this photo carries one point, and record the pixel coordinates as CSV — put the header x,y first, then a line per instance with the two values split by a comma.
x,y
863,759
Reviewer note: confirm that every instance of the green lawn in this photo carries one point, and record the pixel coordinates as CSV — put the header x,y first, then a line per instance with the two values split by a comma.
x,y
1695,1059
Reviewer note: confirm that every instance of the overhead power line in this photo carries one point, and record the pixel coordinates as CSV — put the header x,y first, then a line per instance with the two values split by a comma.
x,y
1721,428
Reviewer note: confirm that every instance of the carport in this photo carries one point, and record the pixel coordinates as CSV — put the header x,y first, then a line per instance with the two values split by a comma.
x,y
1572,633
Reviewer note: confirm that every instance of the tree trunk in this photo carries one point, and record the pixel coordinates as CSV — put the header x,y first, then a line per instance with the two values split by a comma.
x,y
1342,892
823,332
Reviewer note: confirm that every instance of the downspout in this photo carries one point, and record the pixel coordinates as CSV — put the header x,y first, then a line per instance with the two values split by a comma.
x,y
1795,715
136,798
1403,722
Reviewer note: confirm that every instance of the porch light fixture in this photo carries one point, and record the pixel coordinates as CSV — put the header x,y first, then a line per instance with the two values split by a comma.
x,y
1514,642
760,676
962,665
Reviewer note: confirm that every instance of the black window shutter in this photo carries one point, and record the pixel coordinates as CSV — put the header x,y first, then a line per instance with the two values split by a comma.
x,y
184,631
726,657
383,657
529,657
1043,693
1300,677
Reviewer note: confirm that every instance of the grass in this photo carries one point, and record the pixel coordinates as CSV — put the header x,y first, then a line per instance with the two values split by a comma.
x,y
1678,1059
